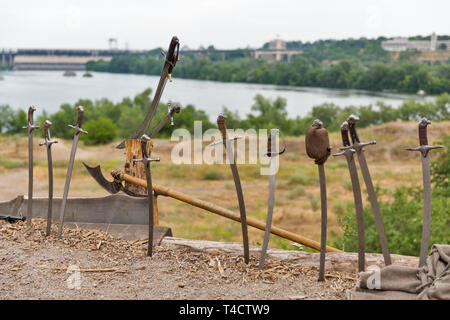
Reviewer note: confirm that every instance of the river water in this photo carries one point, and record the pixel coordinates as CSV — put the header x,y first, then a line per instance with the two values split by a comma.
x,y
49,89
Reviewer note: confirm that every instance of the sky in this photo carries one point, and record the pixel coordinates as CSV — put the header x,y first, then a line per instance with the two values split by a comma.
x,y
139,24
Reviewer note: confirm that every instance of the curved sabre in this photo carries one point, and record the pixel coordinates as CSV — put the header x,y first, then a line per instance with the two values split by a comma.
x,y
424,148
358,147
348,153
48,144
271,145
237,182
170,62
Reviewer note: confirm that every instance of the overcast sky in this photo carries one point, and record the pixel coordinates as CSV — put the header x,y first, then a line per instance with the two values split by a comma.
x,y
225,24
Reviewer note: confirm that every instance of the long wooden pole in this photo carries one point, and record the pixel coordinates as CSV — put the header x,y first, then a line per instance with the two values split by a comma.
x,y
164,191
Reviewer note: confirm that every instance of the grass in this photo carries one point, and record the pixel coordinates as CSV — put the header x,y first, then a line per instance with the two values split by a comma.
x,y
212,175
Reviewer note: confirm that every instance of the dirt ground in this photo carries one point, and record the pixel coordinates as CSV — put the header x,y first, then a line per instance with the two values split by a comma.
x,y
33,266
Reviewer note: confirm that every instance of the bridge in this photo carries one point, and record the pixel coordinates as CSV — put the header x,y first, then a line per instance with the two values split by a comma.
x,y
56,59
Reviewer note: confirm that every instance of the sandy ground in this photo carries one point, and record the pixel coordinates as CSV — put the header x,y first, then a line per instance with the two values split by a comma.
x,y
33,266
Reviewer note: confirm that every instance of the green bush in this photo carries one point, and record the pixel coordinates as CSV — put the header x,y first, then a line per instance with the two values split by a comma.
x,y
212,175
100,131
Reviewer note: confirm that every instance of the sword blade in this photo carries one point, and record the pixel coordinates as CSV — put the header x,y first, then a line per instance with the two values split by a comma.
x,y
240,196
426,210
50,190
323,232
375,208
148,176
62,211
160,125
272,184
358,209
30,179
148,118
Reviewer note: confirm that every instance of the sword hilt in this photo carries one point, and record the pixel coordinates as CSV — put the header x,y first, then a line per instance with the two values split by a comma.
x,y
171,56
30,126
77,127
145,158
222,127
48,142
172,110
273,133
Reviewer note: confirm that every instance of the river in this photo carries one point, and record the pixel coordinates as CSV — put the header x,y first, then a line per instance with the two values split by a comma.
x,y
49,89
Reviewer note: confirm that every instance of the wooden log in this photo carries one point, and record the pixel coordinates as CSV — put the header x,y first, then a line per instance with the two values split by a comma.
x,y
137,169
164,191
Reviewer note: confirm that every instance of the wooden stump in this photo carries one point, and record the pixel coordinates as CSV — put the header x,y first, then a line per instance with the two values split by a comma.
x,y
137,169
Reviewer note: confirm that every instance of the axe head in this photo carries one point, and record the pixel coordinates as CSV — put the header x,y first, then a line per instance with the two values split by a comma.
x,y
112,187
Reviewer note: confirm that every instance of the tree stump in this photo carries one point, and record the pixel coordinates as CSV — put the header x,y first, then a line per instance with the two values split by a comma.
x,y
137,169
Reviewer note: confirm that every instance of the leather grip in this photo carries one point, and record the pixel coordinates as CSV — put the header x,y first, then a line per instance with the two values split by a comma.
x,y
269,144
353,132
144,140
30,114
344,134
47,125
80,111
423,137
221,126
171,56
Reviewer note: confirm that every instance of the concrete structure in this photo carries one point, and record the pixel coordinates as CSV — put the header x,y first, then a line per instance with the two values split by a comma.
x,y
276,52
403,44
56,59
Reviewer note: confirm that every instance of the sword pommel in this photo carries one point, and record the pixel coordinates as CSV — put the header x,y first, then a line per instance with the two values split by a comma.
x,y
423,138
352,119
221,125
344,134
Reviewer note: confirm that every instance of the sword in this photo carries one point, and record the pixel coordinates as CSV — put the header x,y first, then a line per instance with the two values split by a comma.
x,y
30,127
48,144
146,161
169,64
348,153
237,181
78,130
358,147
172,110
424,148
271,145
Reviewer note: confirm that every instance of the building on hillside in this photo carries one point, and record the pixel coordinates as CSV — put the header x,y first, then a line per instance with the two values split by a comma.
x,y
403,44
277,51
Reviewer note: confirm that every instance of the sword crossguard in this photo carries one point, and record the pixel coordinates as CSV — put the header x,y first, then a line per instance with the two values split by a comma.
x,y
346,151
221,141
273,132
424,149
145,158
48,141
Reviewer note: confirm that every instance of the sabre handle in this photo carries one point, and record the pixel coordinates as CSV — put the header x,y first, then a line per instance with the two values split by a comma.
x,y
80,111
31,110
353,132
171,56
47,125
344,134
175,109
423,136
221,125
144,139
